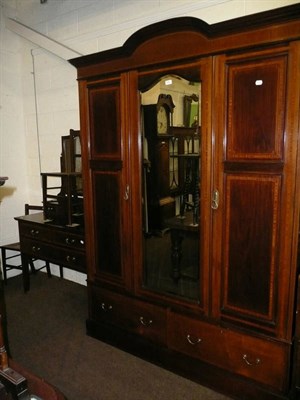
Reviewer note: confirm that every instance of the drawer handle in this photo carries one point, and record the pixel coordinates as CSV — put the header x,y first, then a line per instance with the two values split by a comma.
x,y
126,194
257,361
145,322
36,249
71,259
70,241
105,307
192,341
34,232
215,200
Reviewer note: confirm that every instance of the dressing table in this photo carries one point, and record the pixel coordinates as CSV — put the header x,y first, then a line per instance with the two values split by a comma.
x,y
57,234
58,244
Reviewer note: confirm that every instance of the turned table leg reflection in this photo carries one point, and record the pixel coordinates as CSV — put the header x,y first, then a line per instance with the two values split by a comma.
x,y
176,253
180,228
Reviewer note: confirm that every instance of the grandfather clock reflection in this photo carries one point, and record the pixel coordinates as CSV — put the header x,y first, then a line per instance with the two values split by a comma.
x,y
157,122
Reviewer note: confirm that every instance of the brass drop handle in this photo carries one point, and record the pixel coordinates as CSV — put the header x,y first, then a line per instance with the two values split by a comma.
x,y
70,241
71,259
193,341
145,322
36,249
126,194
215,199
257,361
105,307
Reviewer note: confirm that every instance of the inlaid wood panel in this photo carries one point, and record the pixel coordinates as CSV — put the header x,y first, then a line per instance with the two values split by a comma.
x,y
251,237
108,222
105,121
256,99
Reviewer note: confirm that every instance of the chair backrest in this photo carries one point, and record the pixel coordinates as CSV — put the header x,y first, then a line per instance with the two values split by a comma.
x,y
29,207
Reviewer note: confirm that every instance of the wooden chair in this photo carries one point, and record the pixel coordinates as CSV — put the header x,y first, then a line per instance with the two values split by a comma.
x,y
12,251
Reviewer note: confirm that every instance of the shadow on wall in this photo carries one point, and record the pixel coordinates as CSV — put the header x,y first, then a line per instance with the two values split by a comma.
x,y
7,191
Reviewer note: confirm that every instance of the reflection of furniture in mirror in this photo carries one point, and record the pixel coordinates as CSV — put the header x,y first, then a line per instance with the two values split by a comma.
x,y
181,227
232,325
159,205
186,180
190,110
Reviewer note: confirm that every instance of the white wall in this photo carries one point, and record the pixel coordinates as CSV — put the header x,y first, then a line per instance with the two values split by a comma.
x,y
38,89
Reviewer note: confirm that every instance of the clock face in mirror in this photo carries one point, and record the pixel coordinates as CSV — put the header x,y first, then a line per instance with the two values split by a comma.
x,y
162,121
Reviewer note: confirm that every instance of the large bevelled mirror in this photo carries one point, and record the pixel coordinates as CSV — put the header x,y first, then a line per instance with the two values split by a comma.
x,y
171,137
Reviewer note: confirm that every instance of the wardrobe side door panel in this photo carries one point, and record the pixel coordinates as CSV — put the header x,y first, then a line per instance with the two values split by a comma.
x,y
250,263
108,222
105,121
254,175
107,181
256,93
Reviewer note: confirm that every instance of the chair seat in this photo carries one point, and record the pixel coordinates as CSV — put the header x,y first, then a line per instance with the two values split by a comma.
x,y
12,246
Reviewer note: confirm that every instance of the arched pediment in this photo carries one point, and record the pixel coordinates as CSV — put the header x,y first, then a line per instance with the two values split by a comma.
x,y
189,37
165,28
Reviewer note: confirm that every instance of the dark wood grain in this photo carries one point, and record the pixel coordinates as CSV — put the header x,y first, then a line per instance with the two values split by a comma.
x,y
247,242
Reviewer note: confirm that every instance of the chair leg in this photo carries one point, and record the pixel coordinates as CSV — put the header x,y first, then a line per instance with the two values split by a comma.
x,y
3,254
48,269
61,271
25,270
31,263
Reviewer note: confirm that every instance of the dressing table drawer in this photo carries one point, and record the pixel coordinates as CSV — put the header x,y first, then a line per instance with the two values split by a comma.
x,y
69,240
60,255
61,245
58,237
35,231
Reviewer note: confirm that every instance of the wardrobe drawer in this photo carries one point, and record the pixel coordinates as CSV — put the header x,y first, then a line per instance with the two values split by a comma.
x,y
196,339
263,360
130,314
255,358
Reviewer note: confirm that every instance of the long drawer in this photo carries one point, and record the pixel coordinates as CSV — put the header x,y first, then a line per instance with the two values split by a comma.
x,y
69,240
55,236
130,314
262,360
36,231
68,257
